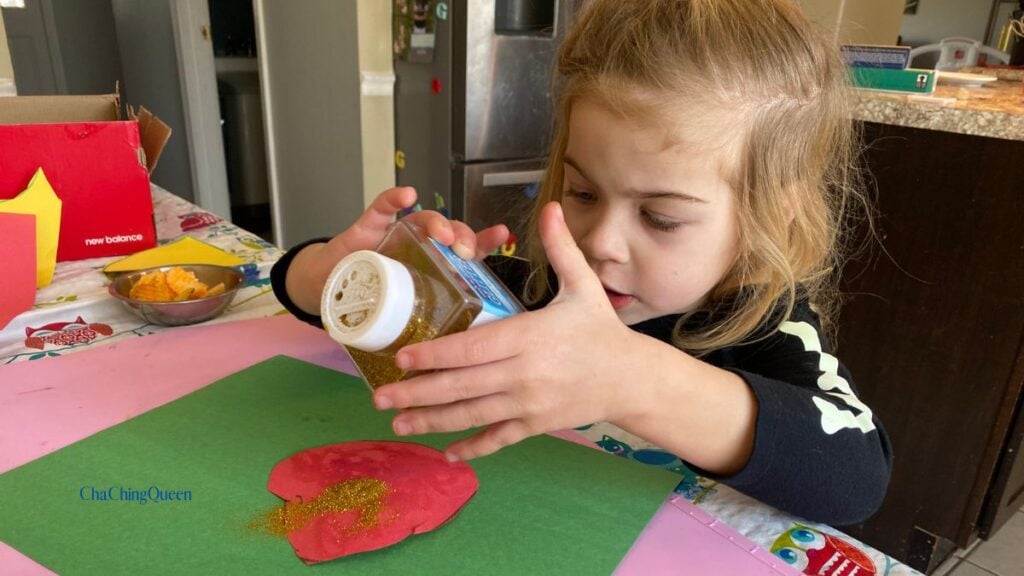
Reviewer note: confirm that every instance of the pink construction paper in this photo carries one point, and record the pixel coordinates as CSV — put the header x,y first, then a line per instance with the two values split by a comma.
x,y
683,539
51,403
18,254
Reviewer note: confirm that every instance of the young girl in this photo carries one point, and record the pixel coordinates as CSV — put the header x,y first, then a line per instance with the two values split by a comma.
x,y
687,247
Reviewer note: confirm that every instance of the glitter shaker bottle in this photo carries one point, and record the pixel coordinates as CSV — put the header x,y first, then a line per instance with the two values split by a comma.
x,y
410,289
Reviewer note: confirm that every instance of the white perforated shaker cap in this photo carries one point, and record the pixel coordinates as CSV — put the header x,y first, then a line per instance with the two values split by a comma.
x,y
367,301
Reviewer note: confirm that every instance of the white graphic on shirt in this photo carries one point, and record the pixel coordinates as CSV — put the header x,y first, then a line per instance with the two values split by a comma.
x,y
833,418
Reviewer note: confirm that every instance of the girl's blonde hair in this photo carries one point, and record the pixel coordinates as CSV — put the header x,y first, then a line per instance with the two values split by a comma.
x,y
780,85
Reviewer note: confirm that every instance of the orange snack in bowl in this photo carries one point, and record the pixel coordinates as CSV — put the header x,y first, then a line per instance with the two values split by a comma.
x,y
175,285
153,287
182,281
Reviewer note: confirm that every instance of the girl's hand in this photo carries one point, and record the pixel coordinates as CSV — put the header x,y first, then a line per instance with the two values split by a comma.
x,y
371,226
536,372
309,270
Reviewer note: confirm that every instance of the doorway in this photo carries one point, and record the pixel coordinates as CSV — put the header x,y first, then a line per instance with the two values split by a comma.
x,y
238,90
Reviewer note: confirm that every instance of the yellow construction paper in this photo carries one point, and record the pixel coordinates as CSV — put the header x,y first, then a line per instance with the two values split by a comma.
x,y
40,199
185,250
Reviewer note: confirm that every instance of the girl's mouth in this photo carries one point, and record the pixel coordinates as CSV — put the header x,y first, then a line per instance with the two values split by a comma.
x,y
618,299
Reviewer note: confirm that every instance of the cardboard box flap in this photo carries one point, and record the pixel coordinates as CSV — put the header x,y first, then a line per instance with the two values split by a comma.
x,y
57,109
153,133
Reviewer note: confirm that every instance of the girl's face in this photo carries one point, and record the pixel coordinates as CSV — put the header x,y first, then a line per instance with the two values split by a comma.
x,y
653,215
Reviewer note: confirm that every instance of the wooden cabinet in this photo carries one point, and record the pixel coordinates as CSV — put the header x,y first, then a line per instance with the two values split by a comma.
x,y
933,329
1007,494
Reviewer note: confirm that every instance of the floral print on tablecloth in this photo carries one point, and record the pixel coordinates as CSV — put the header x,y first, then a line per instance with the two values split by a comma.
x,y
75,311
809,548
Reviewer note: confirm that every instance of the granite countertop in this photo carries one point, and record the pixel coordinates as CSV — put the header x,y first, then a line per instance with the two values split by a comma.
x,y
995,109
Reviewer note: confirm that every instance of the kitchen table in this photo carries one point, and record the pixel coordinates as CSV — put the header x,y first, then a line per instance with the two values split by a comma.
x,y
704,526
75,311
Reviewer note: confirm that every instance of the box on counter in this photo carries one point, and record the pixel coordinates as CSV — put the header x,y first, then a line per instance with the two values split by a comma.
x,y
909,80
98,165
870,56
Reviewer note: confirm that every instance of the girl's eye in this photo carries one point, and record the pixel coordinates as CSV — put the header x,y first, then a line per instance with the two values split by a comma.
x,y
581,196
659,223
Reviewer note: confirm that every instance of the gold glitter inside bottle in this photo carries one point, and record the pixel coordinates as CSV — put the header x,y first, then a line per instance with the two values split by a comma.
x,y
410,289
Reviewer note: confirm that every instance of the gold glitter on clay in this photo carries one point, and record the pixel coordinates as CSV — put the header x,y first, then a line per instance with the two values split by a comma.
x,y
363,494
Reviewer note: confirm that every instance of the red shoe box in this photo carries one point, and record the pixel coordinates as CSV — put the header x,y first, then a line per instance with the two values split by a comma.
x,y
98,165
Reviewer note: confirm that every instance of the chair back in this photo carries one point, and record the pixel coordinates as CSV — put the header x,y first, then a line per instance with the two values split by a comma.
x,y
957,52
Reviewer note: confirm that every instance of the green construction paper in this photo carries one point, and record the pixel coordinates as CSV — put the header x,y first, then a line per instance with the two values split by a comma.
x,y
543,506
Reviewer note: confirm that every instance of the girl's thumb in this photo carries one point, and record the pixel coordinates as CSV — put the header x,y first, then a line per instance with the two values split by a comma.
x,y
566,259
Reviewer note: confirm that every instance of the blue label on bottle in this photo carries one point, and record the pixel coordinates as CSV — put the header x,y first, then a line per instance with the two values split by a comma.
x,y
497,302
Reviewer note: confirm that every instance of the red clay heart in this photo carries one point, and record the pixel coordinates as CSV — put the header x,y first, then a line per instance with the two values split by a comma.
x,y
359,496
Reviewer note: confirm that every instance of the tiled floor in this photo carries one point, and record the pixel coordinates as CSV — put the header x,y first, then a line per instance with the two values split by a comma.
x,y
1002,555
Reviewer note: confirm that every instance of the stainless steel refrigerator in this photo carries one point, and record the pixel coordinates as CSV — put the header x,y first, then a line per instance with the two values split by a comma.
x,y
473,105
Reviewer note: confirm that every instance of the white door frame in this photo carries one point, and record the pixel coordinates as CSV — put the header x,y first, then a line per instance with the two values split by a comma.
x,y
194,45
269,132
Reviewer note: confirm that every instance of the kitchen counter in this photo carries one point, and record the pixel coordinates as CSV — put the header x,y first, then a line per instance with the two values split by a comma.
x,y
995,110
933,322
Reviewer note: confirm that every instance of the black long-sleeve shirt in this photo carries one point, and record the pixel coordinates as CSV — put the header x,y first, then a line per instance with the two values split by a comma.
x,y
819,452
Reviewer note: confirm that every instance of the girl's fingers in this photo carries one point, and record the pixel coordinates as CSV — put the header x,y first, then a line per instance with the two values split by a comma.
x,y
459,236
490,239
451,233
490,440
369,228
382,211
481,345
435,224
456,416
385,206
442,387
465,240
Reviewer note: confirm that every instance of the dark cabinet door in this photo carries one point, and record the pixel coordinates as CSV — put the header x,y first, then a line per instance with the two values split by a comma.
x,y
1007,494
933,325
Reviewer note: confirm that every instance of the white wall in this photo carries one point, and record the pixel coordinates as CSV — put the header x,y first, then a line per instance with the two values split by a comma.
x,y
377,116
871,21
149,65
824,12
858,21
6,70
309,72
938,19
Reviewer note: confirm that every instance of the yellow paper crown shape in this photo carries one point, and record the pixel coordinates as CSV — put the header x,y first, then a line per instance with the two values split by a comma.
x,y
185,250
40,199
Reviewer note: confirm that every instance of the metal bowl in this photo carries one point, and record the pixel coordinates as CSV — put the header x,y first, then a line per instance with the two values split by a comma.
x,y
185,311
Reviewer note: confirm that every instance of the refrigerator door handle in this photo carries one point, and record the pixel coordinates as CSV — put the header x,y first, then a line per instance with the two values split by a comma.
x,y
513,178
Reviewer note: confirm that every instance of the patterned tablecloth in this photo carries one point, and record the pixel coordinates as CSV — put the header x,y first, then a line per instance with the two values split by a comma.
x,y
75,312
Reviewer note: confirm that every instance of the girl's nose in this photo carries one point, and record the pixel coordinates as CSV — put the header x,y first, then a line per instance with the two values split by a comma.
x,y
605,240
